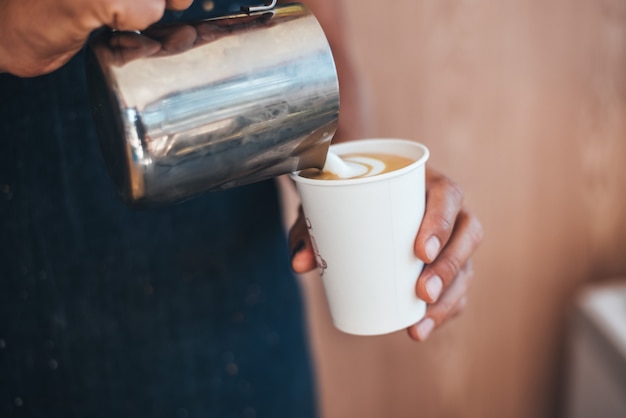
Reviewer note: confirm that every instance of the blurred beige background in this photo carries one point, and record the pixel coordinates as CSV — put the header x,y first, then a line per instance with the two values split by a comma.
x,y
523,103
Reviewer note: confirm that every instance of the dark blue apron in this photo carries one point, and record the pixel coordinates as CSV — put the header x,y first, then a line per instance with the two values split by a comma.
x,y
183,312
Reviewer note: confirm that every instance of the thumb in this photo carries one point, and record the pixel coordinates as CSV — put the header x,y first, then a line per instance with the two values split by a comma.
x,y
302,255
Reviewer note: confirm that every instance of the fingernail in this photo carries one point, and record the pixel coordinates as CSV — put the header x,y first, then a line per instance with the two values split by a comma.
x,y
297,248
433,287
432,247
424,328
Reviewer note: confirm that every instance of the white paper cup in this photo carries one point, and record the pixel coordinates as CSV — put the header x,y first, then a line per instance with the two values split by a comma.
x,y
363,232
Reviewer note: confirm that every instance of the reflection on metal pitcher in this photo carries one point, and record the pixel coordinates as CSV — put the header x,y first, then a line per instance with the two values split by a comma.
x,y
186,108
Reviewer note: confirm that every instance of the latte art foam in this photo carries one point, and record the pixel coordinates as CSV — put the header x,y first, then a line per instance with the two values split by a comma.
x,y
357,166
369,166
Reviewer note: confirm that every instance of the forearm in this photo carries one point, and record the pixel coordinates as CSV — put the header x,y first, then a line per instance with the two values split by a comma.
x,y
38,36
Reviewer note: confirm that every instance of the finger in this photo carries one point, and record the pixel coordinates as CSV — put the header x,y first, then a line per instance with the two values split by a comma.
x,y
127,46
444,200
302,254
178,4
134,15
441,273
208,32
174,39
451,303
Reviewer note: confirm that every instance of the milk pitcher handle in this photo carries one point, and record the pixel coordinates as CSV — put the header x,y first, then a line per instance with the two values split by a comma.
x,y
263,8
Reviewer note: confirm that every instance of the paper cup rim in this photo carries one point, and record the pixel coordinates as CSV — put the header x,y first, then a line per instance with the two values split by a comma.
x,y
363,180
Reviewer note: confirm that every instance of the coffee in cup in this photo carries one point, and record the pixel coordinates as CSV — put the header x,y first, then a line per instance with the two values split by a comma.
x,y
371,164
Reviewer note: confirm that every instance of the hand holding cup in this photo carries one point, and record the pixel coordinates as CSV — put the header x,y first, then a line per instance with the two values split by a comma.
x,y
444,239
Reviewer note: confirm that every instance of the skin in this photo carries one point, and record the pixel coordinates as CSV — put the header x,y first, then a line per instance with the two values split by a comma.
x,y
39,36
447,238
452,231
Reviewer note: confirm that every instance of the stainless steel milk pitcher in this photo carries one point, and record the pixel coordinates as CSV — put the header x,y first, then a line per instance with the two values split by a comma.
x,y
185,108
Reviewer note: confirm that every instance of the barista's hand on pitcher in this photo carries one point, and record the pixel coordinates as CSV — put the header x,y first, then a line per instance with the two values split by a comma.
x,y
447,238
39,36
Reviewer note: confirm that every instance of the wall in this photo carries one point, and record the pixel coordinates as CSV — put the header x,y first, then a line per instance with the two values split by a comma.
x,y
524,104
